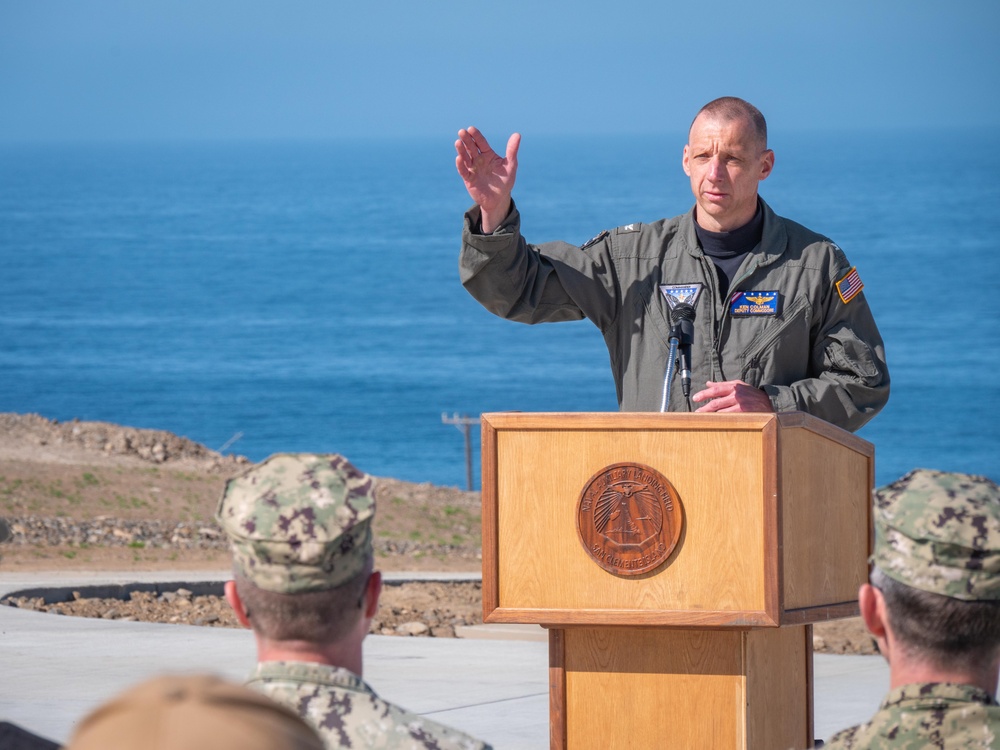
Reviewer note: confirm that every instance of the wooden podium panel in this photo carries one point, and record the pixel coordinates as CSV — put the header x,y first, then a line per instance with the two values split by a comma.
x,y
537,523
681,689
767,539
836,534
710,647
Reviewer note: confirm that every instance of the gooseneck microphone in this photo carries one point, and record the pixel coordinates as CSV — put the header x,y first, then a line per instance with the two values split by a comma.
x,y
683,329
668,376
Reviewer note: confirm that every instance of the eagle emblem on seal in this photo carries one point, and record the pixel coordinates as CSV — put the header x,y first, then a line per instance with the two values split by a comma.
x,y
628,509
629,518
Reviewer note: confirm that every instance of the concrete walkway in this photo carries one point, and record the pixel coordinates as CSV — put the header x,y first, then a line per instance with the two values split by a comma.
x,y
54,669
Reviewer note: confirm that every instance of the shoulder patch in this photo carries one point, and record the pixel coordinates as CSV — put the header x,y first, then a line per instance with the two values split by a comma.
x,y
594,240
676,294
850,286
628,228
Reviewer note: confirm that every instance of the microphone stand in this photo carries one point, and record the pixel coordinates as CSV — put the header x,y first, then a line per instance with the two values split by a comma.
x,y
668,376
681,336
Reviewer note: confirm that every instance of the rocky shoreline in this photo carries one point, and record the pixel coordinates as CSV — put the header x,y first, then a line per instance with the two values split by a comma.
x,y
38,435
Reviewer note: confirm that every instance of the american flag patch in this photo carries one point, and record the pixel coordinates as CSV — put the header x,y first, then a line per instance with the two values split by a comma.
x,y
849,286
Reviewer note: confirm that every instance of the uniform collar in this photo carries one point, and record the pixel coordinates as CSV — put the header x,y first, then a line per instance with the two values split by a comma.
x,y
936,694
311,673
772,244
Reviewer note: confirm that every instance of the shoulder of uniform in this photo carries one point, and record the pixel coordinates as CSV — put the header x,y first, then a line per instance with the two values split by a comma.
x,y
804,241
799,232
839,256
609,233
629,228
595,239
843,739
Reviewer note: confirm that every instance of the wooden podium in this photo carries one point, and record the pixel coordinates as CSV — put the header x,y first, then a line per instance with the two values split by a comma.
x,y
712,648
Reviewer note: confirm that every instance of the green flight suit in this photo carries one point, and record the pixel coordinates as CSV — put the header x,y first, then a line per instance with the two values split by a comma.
x,y
816,354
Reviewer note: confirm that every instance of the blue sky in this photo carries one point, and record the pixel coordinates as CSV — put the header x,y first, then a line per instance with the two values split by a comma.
x,y
237,69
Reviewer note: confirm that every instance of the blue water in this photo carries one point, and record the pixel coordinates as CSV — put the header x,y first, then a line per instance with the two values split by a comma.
x,y
305,295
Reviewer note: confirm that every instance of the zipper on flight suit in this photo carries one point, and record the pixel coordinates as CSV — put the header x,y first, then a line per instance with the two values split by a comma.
x,y
712,279
790,316
721,321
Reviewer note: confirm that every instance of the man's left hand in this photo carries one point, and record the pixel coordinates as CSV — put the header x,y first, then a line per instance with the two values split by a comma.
x,y
732,396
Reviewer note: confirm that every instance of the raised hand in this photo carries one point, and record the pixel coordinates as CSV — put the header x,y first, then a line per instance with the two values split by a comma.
x,y
488,177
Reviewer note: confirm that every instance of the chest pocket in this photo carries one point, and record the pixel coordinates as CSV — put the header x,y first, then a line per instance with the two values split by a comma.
x,y
779,352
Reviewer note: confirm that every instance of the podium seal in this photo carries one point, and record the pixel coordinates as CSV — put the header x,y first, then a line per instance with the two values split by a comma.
x,y
629,518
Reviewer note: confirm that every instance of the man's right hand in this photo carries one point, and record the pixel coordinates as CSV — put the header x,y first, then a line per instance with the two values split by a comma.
x,y
488,177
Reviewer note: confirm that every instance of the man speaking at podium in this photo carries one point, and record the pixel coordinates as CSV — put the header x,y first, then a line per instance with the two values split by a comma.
x,y
765,314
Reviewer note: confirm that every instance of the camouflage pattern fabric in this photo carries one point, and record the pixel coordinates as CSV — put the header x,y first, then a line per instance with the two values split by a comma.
x,y
348,714
299,522
929,715
940,532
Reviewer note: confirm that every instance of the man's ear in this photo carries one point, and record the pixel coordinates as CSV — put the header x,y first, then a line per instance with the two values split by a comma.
x,y
873,611
766,164
875,614
373,590
233,597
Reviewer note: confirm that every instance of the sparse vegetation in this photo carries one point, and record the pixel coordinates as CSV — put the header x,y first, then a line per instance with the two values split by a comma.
x,y
68,471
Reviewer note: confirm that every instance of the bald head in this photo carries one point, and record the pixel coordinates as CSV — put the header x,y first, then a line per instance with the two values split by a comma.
x,y
730,108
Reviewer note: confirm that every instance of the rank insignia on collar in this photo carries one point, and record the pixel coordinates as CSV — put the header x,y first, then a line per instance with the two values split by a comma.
x,y
746,304
594,240
675,294
850,286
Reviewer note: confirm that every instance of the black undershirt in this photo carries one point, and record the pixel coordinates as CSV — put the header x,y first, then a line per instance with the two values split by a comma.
x,y
728,249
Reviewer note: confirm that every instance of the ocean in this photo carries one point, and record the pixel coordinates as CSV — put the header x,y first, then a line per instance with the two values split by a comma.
x,y
265,297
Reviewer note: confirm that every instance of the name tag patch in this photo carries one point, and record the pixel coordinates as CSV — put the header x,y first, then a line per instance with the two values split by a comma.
x,y
745,304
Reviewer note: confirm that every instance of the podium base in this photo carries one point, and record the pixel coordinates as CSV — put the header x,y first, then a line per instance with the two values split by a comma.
x,y
636,688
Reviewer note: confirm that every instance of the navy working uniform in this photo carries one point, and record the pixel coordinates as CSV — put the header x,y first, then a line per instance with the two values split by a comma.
x,y
935,715
301,525
937,533
348,713
794,322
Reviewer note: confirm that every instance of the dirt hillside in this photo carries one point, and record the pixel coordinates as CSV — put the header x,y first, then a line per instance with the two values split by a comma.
x,y
97,496
92,495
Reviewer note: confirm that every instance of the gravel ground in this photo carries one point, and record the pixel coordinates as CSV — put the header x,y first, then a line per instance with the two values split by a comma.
x,y
425,608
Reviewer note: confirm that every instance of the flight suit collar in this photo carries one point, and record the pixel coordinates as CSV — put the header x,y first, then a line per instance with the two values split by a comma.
x,y
771,247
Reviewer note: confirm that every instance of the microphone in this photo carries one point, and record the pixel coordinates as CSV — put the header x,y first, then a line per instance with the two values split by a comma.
x,y
683,330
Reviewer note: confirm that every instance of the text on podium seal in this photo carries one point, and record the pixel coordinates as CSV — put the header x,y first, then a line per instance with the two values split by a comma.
x,y
629,518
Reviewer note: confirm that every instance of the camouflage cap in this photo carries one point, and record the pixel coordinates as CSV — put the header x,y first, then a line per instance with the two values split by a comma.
x,y
299,522
940,532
